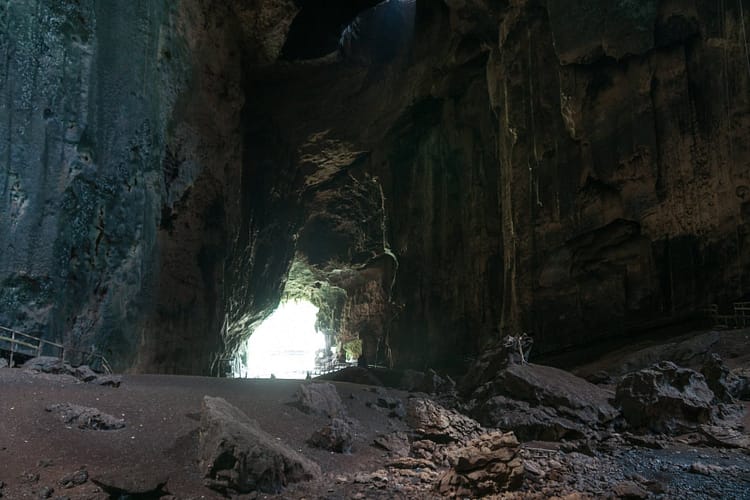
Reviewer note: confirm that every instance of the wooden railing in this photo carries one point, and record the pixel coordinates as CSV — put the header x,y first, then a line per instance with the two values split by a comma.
x,y
15,342
740,317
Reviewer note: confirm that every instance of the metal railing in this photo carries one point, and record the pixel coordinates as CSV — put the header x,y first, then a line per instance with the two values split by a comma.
x,y
740,317
15,342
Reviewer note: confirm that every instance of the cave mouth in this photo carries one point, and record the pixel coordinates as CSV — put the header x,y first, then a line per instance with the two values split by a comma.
x,y
286,345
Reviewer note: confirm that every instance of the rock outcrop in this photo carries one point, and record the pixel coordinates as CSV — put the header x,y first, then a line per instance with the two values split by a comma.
x,y
238,456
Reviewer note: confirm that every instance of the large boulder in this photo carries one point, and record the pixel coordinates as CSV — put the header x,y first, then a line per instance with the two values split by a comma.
x,y
236,455
320,398
528,422
541,402
487,465
432,421
665,398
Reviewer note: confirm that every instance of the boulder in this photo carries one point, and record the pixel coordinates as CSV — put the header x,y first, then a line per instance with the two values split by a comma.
x,y
541,402
432,421
527,422
236,455
665,398
336,436
86,418
488,465
320,398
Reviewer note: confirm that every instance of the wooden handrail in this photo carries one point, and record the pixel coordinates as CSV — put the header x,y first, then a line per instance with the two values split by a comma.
x,y
40,343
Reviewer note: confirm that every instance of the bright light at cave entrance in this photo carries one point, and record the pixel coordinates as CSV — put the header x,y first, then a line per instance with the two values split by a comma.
x,y
285,344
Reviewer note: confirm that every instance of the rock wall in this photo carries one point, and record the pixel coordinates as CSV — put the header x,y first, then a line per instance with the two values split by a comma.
x,y
623,163
454,171
121,172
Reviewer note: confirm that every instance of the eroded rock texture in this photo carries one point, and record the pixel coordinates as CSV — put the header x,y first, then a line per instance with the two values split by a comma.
x,y
453,170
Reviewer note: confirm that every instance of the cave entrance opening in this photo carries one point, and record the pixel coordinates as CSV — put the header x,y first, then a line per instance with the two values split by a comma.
x,y
286,345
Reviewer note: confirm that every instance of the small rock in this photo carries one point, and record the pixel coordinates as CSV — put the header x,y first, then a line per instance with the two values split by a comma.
x,y
108,380
336,436
46,492
533,469
3,363
29,477
629,490
86,418
84,373
77,478
705,469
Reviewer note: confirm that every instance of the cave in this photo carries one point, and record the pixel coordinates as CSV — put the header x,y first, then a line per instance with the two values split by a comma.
x,y
525,210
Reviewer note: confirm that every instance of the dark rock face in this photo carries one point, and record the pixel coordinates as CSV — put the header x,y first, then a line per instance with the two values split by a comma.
x,y
483,168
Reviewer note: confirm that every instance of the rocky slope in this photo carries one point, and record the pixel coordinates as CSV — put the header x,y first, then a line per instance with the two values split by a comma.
x,y
452,171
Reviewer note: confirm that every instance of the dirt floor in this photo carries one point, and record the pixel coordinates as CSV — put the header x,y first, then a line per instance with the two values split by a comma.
x,y
162,415
160,441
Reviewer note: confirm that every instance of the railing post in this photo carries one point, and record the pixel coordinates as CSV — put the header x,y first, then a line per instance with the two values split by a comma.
x,y
12,346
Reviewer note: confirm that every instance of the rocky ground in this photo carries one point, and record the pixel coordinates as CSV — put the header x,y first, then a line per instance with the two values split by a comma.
x,y
68,433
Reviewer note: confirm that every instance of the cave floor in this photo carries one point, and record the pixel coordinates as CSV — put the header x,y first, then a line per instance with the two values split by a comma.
x,y
160,440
